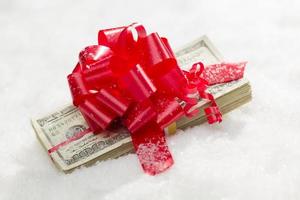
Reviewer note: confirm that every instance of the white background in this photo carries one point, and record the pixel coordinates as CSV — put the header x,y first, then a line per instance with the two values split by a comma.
x,y
253,154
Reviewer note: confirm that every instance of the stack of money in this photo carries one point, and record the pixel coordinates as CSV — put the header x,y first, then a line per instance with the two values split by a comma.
x,y
67,121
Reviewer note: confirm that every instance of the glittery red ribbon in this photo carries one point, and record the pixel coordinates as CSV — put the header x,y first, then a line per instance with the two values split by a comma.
x,y
134,77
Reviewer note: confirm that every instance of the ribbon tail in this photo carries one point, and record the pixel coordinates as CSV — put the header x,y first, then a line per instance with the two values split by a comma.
x,y
223,72
151,149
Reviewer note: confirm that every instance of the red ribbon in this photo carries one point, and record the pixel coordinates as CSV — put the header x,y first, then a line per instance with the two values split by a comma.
x,y
135,77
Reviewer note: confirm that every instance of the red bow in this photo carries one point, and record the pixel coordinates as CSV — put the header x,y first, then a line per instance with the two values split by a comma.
x,y
135,77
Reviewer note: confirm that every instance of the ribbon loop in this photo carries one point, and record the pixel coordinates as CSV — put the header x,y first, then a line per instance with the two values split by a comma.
x,y
155,51
92,56
97,112
110,37
137,83
77,87
196,70
113,99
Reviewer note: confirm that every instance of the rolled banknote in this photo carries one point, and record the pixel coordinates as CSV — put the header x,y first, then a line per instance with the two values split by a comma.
x,y
67,122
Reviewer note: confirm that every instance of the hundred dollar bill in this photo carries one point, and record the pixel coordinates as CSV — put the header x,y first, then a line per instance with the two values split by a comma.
x,y
66,122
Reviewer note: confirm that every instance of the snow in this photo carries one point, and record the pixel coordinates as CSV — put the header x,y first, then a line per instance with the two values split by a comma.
x,y
253,154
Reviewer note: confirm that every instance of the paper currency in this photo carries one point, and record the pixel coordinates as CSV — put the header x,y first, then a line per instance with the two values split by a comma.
x,y
66,122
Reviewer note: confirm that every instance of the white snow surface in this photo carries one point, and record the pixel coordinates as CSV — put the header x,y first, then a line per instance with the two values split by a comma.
x,y
253,154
